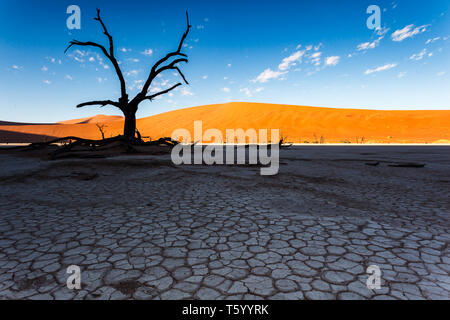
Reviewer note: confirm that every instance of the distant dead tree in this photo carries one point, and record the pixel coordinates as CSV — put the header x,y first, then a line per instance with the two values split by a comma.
x,y
127,106
101,128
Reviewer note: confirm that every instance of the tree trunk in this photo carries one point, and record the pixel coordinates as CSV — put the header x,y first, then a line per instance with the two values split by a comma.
x,y
129,130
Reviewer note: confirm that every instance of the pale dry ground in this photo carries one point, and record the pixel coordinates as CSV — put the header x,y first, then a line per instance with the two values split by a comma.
x,y
142,229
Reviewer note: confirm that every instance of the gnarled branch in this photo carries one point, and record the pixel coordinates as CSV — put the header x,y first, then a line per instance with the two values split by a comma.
x,y
109,55
161,92
156,70
100,102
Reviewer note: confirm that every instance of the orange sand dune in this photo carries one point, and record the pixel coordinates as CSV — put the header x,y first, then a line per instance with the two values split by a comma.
x,y
100,118
298,123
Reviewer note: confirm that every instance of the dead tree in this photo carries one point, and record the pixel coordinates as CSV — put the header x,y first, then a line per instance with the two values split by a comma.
x,y
129,107
101,128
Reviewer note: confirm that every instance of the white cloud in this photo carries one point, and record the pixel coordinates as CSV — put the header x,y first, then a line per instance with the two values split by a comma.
x,y
132,73
401,75
200,26
407,32
250,92
125,50
147,52
440,73
381,31
292,60
68,77
419,56
229,65
47,81
186,92
44,68
316,48
91,59
381,68
432,40
268,74
81,53
155,89
315,58
16,67
368,45
332,61
226,89
205,77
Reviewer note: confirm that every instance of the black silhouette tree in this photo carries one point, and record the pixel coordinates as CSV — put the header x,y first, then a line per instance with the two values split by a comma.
x,y
129,107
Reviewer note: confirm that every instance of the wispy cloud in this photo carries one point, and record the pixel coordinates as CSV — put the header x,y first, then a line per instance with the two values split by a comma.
x,y
381,68
186,92
419,56
432,40
292,60
315,58
250,92
132,73
147,52
227,90
368,45
268,74
407,32
332,61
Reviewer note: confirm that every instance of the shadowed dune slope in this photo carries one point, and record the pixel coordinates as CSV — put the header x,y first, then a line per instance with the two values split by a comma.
x,y
297,123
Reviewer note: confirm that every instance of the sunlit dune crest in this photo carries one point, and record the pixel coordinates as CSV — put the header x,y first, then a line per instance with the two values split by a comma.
x,y
100,118
299,124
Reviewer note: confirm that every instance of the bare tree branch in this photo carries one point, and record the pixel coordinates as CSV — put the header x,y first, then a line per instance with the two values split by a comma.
x,y
100,102
173,66
105,31
88,43
109,55
161,92
155,71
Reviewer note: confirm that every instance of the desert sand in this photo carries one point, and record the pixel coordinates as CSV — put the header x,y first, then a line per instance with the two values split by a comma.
x,y
300,124
141,228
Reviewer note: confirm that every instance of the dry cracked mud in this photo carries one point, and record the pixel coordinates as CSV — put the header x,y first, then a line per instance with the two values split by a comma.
x,y
140,228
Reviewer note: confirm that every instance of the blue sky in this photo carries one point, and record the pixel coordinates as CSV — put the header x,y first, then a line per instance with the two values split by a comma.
x,y
317,53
